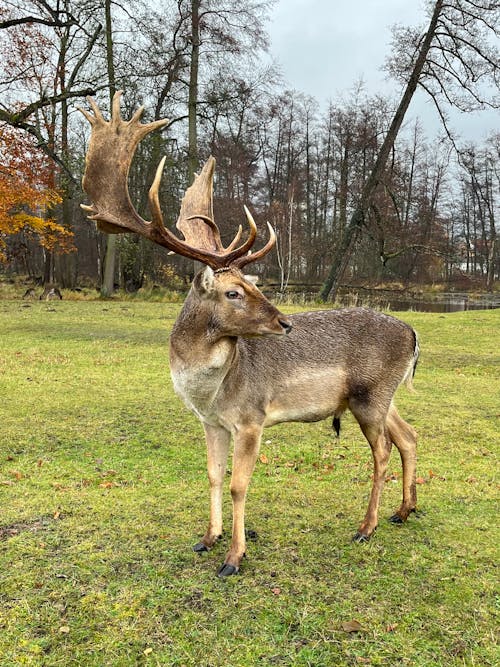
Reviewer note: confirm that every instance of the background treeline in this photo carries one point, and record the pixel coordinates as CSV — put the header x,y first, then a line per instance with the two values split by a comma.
x,y
203,64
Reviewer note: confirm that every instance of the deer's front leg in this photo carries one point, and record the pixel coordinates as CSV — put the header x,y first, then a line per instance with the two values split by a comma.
x,y
246,450
218,440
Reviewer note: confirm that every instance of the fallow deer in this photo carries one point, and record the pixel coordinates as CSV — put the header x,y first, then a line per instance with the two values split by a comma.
x,y
240,364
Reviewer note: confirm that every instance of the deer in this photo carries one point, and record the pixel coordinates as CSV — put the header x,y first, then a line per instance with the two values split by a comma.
x,y
240,364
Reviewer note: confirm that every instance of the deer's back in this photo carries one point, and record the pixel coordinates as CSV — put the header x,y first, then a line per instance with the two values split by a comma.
x,y
329,359
349,336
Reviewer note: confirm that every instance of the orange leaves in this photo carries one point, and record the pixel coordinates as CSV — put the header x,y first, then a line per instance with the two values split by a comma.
x,y
27,192
432,475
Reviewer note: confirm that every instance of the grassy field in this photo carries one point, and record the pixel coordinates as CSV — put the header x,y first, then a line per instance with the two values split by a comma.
x,y
103,491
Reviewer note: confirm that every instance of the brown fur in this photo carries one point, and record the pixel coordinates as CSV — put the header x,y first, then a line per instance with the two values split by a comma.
x,y
230,360
239,374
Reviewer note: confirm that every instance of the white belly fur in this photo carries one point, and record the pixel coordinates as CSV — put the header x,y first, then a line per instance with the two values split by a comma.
x,y
308,397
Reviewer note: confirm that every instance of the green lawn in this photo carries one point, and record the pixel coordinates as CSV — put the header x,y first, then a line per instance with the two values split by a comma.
x,y
103,491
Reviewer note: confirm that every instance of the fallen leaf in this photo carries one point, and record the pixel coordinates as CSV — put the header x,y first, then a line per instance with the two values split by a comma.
x,y
148,651
57,514
276,591
263,459
39,463
15,473
471,479
64,629
106,485
352,626
420,480
391,627
59,487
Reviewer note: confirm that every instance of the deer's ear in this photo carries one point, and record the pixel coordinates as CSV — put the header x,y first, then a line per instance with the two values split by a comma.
x,y
204,281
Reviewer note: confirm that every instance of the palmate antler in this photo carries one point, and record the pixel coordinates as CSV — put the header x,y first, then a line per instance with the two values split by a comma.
x,y
111,149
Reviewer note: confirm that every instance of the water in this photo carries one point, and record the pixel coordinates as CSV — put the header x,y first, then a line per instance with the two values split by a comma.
x,y
387,300
443,303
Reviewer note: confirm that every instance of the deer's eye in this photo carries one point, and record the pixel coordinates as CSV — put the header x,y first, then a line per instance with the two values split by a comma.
x,y
233,294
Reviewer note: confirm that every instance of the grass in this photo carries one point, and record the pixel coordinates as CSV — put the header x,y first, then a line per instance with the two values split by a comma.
x,y
103,491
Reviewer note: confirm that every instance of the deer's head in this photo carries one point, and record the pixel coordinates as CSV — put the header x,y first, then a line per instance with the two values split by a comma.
x,y
239,307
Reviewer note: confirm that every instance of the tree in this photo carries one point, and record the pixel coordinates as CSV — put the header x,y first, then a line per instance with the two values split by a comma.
x,y
218,30
108,280
42,68
41,13
27,74
451,61
461,67
480,191
26,195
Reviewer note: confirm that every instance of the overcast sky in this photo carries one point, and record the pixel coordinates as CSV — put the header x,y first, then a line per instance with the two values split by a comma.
x,y
325,46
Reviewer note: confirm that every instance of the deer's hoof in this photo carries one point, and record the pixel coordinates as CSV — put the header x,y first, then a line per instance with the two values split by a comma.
x,y
200,548
226,570
395,518
360,538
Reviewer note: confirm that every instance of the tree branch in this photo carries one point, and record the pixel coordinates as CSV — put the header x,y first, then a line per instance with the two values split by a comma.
x,y
17,118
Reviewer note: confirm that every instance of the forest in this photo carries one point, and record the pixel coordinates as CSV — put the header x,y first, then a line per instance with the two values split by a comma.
x,y
423,214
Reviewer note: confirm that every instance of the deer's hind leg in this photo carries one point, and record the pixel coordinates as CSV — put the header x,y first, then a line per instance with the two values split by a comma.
x,y
372,421
405,438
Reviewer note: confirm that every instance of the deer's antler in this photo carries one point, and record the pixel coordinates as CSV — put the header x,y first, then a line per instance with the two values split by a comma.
x,y
111,149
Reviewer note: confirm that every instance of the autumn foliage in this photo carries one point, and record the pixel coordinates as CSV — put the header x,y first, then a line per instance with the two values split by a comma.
x,y
27,193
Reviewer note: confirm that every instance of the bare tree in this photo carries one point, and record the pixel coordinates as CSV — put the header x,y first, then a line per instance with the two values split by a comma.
x,y
453,61
37,12
108,279
31,85
480,194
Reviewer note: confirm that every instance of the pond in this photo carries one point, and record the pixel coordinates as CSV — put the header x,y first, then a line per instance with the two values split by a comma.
x,y
445,303
390,300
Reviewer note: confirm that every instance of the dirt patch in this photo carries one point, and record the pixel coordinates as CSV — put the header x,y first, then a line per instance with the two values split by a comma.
x,y
16,528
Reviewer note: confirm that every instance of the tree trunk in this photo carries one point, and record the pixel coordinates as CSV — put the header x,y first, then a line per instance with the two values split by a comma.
x,y
492,251
66,261
108,280
344,250
48,267
193,91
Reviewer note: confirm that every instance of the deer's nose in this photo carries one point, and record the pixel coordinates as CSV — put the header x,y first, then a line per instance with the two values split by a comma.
x,y
286,325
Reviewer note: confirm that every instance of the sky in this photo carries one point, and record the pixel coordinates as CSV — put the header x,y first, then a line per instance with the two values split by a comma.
x,y
325,46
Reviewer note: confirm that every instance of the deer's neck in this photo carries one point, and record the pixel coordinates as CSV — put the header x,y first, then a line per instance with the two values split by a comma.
x,y
200,357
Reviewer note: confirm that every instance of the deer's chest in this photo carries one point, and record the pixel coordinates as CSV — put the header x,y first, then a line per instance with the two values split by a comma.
x,y
199,385
198,389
